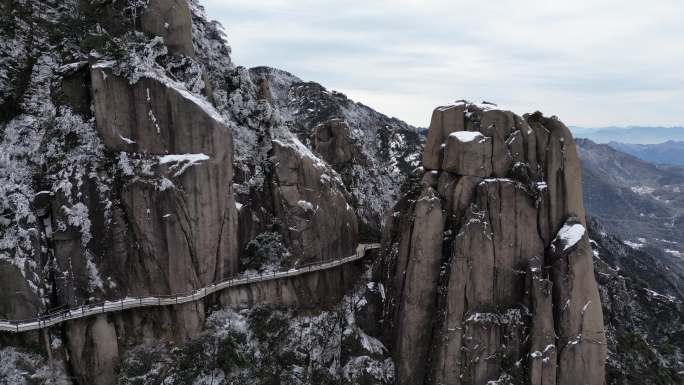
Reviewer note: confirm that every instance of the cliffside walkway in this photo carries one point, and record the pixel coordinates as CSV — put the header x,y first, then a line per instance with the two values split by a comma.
x,y
18,326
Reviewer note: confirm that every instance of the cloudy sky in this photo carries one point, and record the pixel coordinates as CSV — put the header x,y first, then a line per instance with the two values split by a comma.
x,y
593,63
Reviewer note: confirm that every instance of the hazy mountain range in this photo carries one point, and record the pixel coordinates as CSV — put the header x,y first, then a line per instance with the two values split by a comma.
x,y
670,152
632,134
639,200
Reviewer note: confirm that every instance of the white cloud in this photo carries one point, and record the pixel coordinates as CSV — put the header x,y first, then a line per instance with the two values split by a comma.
x,y
593,63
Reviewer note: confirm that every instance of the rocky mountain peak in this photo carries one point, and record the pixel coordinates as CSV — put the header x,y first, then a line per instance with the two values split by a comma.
x,y
493,242
138,163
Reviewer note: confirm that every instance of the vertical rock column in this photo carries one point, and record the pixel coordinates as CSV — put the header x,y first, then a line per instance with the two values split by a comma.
x,y
417,304
577,307
507,302
542,359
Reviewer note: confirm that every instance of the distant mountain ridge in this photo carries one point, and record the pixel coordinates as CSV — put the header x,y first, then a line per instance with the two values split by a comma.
x,y
670,152
639,200
631,135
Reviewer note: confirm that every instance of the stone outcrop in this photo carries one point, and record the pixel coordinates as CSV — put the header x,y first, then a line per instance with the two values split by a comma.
x,y
176,229
498,284
468,153
310,202
542,364
25,304
577,314
445,120
420,286
172,20
97,344
485,278
172,227
332,141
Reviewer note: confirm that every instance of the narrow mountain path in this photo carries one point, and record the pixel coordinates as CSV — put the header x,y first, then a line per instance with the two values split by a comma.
x,y
18,326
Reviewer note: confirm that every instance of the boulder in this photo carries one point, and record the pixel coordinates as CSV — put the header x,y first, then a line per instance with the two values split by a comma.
x,y
564,175
445,120
468,153
499,125
431,178
457,192
332,141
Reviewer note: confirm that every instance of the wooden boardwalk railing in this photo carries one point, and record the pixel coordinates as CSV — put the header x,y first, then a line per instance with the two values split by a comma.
x,y
18,326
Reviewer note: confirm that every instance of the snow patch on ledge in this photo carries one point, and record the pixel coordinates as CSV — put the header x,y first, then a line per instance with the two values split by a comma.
x,y
467,136
192,158
182,161
634,245
498,180
675,253
127,140
569,235
305,205
104,64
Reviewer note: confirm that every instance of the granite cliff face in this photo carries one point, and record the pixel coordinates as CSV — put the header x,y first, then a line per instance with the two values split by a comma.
x,y
487,258
136,186
138,159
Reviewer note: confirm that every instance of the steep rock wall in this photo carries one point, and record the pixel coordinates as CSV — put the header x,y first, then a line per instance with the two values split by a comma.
x,y
173,228
372,153
504,269
311,203
178,222
151,209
